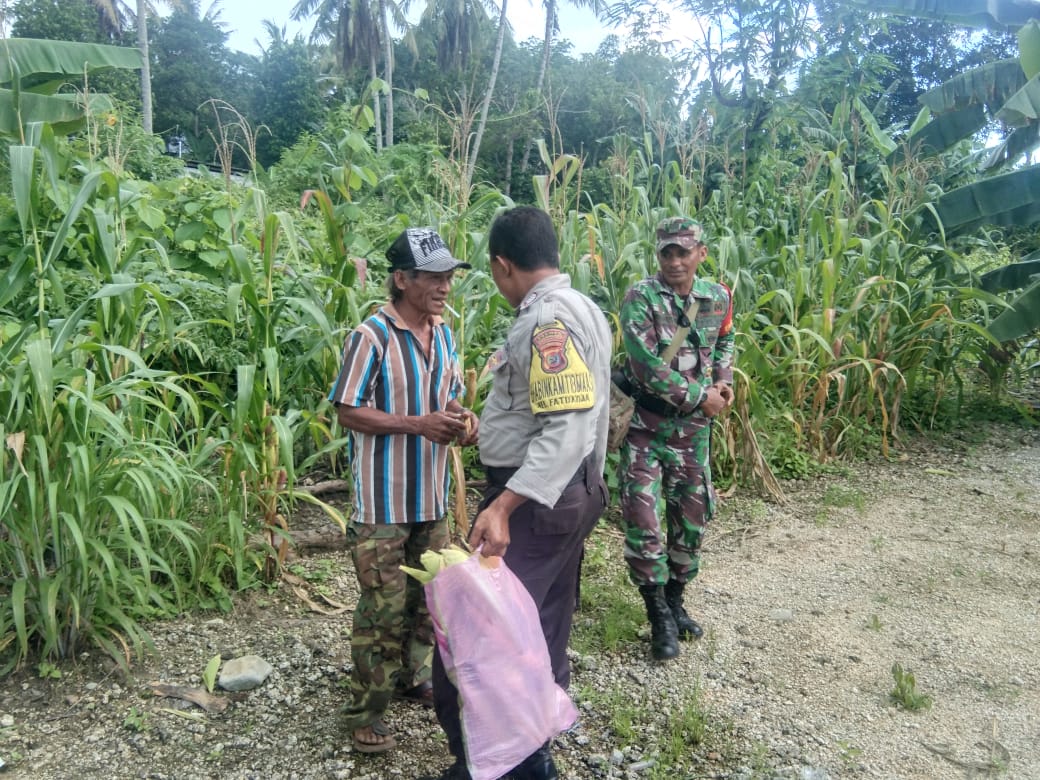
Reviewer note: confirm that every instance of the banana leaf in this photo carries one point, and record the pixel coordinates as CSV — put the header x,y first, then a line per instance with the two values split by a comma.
x,y
1022,107
1014,276
1021,319
1012,199
991,84
49,60
995,14
31,70
63,112
1029,48
941,133
1018,142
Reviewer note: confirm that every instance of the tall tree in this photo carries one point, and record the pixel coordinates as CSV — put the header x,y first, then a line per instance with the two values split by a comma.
x,y
360,28
552,26
471,165
115,14
286,99
356,36
191,59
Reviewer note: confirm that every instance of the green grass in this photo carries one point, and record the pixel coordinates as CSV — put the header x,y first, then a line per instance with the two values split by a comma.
x,y
611,612
842,497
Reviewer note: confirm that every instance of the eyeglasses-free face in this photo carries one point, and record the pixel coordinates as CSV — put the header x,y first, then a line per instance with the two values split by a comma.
x,y
679,266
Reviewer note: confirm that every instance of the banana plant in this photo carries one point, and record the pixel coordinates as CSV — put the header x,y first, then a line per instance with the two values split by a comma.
x,y
32,71
1007,91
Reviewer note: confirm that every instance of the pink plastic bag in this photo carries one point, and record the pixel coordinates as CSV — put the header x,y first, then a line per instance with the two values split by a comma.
x,y
493,649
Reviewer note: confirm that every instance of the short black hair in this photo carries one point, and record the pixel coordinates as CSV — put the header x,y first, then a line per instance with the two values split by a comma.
x,y
526,237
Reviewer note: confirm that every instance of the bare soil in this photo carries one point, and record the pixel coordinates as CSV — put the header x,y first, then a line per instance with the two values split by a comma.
x,y
930,561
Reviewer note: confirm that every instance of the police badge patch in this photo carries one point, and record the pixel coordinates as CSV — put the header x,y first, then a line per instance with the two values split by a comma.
x,y
560,380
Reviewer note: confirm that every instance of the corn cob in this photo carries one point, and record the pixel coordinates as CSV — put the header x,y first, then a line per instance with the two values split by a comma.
x,y
434,561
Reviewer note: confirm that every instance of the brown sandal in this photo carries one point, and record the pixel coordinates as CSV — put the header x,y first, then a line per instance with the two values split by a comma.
x,y
377,729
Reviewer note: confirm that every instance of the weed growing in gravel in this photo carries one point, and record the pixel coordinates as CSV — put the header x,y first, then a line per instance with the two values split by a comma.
x,y
209,674
620,708
874,622
710,643
756,511
316,570
905,694
136,720
687,728
673,735
848,753
45,670
841,497
877,543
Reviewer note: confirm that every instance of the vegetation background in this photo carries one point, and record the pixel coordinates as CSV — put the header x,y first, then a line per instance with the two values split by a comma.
x,y
168,333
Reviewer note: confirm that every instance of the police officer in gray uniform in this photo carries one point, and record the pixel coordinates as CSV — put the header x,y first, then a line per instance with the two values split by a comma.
x,y
543,442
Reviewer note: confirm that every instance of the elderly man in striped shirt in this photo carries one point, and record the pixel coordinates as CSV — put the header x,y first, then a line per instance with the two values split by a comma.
x,y
398,395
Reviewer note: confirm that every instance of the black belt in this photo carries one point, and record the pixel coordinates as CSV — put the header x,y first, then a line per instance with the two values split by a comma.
x,y
498,476
657,406
650,403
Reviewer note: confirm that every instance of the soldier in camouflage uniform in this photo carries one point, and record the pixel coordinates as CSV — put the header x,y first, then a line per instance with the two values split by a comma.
x,y
666,453
398,395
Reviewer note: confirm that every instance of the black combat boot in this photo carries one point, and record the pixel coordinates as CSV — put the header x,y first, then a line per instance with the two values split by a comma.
x,y
537,766
664,635
688,627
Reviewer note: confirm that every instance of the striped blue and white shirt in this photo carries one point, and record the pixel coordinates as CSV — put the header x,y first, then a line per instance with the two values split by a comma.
x,y
398,478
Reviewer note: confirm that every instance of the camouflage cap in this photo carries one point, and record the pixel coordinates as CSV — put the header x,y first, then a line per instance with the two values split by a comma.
x,y
683,231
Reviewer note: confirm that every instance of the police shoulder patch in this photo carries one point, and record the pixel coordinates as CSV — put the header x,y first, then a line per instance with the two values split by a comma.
x,y
560,380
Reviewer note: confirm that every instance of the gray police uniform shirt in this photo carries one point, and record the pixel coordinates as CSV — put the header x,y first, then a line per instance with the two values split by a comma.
x,y
548,408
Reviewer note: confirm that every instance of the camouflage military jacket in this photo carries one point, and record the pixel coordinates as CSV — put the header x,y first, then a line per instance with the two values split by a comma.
x,y
650,316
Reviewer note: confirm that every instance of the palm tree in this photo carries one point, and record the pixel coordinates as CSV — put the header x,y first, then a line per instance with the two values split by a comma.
x,y
115,15
552,26
457,26
359,29
356,37
496,62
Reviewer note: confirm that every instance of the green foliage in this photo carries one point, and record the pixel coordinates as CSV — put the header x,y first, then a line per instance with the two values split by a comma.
x,y
672,732
209,674
33,71
285,97
190,65
167,342
136,720
843,497
905,694
47,671
610,612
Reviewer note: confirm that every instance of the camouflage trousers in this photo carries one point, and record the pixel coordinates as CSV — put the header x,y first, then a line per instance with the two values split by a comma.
x,y
392,643
674,471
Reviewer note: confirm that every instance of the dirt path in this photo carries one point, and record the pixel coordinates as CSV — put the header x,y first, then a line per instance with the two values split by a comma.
x,y
932,563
